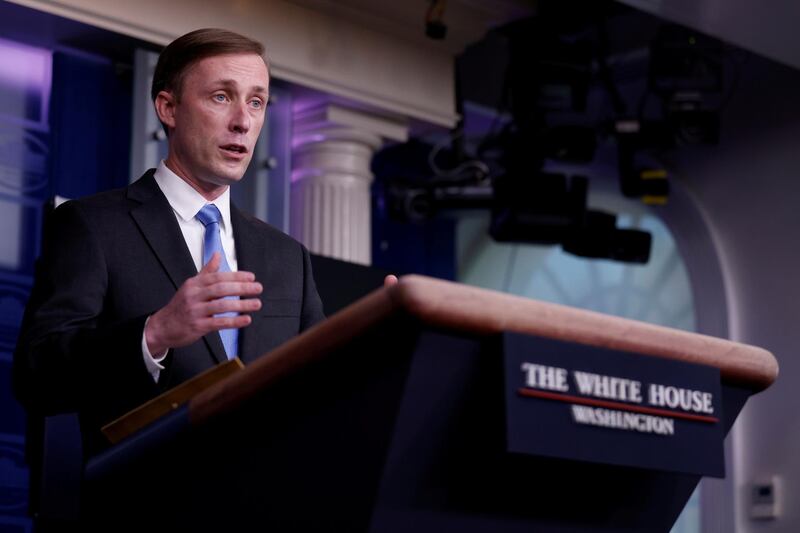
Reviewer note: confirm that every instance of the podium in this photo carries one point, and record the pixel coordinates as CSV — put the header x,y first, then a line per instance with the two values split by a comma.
x,y
391,416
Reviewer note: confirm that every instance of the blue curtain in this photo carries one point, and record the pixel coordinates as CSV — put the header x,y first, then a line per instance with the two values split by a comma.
x,y
90,118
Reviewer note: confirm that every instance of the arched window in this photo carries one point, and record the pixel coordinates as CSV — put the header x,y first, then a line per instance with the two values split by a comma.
x,y
658,292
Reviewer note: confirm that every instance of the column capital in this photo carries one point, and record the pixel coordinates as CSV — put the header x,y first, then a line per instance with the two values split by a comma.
x,y
328,121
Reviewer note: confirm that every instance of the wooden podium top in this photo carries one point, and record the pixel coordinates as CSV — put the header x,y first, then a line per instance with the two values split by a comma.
x,y
456,307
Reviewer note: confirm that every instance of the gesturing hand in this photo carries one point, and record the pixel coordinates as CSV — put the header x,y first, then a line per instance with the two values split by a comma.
x,y
190,313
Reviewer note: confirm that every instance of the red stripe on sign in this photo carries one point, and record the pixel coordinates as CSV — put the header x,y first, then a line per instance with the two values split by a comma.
x,y
533,393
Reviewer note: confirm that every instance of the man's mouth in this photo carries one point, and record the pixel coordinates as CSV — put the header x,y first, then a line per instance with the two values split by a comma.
x,y
234,148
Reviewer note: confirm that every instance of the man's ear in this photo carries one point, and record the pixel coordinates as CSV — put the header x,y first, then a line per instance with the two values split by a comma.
x,y
165,108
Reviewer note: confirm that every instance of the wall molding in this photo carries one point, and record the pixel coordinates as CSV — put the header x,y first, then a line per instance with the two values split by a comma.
x,y
314,49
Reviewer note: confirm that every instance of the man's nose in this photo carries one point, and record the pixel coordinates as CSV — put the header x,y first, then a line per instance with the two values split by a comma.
x,y
240,118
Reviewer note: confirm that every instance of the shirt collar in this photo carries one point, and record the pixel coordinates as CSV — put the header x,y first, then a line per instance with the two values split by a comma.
x,y
185,200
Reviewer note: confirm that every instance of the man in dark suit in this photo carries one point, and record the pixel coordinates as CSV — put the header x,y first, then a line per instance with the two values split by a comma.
x,y
141,288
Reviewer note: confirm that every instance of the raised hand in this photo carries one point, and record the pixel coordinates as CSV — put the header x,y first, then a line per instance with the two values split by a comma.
x,y
190,313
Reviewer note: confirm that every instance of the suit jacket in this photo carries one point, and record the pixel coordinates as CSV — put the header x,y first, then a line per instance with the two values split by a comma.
x,y
111,260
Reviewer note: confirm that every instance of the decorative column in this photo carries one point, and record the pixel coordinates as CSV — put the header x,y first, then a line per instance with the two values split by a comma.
x,y
332,149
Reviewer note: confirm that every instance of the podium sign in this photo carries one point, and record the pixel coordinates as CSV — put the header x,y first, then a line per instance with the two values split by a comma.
x,y
586,403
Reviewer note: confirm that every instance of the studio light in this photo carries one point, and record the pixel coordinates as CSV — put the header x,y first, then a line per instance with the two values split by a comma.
x,y
599,238
551,209
538,209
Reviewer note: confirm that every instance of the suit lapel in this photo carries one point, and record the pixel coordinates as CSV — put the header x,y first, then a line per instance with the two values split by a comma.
x,y
156,220
251,256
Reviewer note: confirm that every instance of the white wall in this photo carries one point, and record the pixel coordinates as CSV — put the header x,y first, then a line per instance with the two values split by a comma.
x,y
768,28
748,189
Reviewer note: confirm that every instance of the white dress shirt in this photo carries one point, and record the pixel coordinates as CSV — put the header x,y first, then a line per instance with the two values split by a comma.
x,y
186,202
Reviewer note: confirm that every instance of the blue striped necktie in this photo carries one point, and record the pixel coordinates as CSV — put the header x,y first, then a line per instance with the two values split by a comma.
x,y
210,216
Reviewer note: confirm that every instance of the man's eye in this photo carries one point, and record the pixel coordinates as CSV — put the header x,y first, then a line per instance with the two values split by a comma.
x,y
258,104
220,97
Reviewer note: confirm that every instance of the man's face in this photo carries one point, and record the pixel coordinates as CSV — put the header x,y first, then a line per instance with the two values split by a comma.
x,y
215,120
